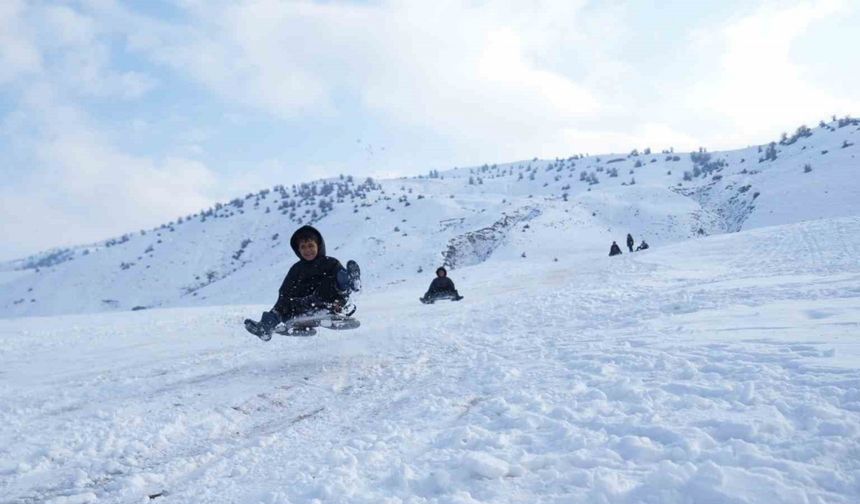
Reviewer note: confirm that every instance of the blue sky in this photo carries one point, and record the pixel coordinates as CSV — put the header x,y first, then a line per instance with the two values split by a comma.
x,y
116,116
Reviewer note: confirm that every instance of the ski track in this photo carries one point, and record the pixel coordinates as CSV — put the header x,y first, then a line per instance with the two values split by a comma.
x,y
699,373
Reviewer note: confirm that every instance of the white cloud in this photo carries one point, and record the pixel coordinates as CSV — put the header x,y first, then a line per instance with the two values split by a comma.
x,y
656,136
86,190
18,54
82,188
759,87
67,26
476,73
479,77
264,54
84,50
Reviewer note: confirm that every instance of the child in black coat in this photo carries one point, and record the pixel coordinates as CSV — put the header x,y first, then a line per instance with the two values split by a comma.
x,y
441,287
315,283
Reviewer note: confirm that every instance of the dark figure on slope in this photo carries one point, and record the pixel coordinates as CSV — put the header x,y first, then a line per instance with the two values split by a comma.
x,y
614,250
642,246
317,283
441,287
629,242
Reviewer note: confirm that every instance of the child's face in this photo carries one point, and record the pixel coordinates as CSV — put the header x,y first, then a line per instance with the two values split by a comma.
x,y
308,250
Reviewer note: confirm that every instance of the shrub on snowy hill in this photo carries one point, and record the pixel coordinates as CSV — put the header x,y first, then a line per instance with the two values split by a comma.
x,y
117,241
847,121
702,156
770,153
238,254
48,260
703,164
802,132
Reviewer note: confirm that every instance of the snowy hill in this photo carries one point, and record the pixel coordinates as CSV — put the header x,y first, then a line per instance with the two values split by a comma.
x,y
533,211
701,371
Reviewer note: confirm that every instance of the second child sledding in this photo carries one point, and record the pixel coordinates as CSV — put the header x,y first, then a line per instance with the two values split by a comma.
x,y
441,287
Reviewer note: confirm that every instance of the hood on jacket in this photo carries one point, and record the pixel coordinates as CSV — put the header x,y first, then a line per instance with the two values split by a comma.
x,y
308,230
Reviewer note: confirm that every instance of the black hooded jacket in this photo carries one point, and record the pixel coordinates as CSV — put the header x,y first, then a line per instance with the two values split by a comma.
x,y
441,285
306,278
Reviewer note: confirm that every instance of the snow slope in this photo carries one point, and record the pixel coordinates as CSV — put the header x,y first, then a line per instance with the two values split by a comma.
x,y
719,370
400,229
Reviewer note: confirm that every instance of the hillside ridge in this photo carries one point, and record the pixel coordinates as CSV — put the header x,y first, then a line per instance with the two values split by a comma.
x,y
398,228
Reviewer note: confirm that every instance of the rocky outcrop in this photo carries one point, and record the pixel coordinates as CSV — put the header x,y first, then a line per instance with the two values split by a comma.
x,y
477,246
725,208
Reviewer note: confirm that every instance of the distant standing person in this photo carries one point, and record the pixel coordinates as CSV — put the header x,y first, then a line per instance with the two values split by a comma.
x,y
614,250
629,242
642,246
441,287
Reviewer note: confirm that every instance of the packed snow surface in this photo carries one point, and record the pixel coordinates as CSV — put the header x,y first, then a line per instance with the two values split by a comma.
x,y
719,370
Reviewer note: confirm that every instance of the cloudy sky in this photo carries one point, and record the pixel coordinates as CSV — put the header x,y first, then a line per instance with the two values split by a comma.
x,y
115,116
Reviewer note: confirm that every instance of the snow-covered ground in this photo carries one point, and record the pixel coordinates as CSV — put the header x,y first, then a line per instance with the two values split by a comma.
x,y
718,370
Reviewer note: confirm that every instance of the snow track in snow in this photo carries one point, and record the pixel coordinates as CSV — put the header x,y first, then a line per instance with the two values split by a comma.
x,y
720,370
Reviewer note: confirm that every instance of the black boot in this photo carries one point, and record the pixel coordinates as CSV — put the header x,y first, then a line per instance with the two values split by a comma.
x,y
354,275
263,329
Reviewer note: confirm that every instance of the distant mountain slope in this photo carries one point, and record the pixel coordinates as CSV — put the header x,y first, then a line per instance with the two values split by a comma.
x,y
538,210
